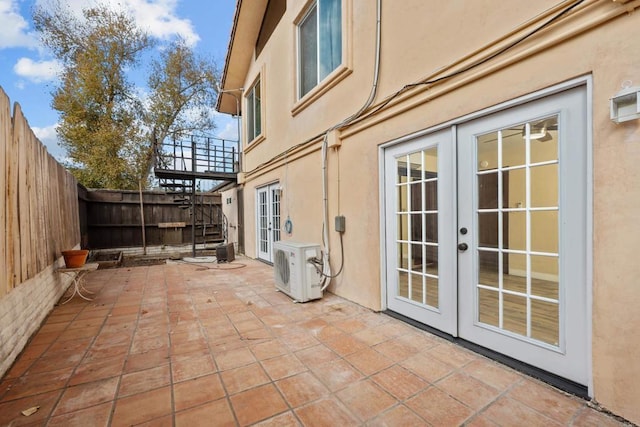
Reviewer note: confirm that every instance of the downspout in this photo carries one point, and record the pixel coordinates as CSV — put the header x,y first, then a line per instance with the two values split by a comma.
x,y
326,268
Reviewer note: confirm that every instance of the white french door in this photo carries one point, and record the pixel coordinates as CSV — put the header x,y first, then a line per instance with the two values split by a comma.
x,y
420,216
507,266
267,220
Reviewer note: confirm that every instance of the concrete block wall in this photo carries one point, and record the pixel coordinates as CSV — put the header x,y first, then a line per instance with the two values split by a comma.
x,y
23,310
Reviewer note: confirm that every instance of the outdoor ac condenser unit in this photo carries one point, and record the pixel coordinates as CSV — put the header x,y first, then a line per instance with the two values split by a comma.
x,y
295,275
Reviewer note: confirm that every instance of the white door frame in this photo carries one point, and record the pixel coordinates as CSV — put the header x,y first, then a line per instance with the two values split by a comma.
x,y
587,82
264,247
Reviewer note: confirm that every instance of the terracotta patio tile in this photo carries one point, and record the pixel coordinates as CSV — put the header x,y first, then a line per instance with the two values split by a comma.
x,y
191,367
396,350
480,421
588,417
299,340
288,419
243,378
45,337
10,412
59,316
365,399
141,381
491,373
369,361
77,346
439,409
316,355
94,322
452,354
142,361
301,389
330,332
507,411
86,395
326,412
336,374
258,404
74,334
268,349
400,382
428,368
283,366
393,329
551,402
30,384
106,352
145,345
399,415
200,345
53,361
234,358
95,416
204,415
123,310
142,407
95,370
468,390
350,326
54,327
345,344
370,336
197,391
20,366
94,313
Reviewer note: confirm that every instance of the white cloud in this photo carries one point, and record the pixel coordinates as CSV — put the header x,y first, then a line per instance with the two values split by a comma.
x,y
160,20
48,136
229,130
14,30
37,71
157,17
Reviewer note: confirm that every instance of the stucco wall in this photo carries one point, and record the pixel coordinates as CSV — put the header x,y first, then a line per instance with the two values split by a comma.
x,y
417,41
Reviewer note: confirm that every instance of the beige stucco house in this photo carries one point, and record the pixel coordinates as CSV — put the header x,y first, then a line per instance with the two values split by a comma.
x,y
486,168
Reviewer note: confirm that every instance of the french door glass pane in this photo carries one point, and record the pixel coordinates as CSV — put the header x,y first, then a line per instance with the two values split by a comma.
x,y
517,218
330,36
308,35
417,226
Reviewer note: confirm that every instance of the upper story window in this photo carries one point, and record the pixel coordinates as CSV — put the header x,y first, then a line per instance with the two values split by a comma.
x,y
320,43
254,112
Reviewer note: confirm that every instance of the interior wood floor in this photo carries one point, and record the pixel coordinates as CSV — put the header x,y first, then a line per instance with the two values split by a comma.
x,y
544,315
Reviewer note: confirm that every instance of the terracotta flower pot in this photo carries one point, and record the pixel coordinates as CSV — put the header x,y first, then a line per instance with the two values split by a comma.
x,y
75,258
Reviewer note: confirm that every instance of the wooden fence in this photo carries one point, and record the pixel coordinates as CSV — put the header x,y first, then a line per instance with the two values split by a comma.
x,y
113,219
39,208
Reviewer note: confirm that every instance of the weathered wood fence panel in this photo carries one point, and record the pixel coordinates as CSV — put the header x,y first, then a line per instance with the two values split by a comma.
x,y
114,221
39,208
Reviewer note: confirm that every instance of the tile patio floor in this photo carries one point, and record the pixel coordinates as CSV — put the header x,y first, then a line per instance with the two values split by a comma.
x,y
195,345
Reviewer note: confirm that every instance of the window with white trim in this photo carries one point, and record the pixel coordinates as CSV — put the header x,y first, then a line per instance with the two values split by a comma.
x,y
254,113
319,43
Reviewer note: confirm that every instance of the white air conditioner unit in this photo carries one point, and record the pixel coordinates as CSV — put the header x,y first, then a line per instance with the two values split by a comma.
x,y
295,275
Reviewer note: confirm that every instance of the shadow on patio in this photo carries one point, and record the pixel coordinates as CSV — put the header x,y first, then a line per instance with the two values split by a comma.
x,y
206,344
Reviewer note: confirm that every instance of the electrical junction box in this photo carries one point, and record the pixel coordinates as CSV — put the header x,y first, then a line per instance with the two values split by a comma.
x,y
340,224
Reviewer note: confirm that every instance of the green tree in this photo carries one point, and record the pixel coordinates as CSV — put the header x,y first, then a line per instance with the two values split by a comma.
x,y
105,126
183,92
99,114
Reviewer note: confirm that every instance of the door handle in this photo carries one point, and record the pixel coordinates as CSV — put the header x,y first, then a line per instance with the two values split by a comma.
x,y
462,247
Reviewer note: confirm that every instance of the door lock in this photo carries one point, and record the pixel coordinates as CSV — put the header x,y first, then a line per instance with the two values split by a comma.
x,y
462,247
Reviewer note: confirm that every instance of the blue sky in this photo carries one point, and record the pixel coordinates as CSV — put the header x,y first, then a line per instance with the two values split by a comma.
x,y
28,72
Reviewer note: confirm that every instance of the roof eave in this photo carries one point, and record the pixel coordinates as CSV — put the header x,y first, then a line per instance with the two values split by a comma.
x,y
244,33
